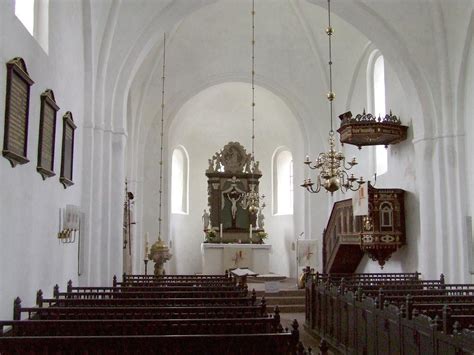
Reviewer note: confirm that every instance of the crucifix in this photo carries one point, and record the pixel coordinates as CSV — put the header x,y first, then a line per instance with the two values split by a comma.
x,y
234,196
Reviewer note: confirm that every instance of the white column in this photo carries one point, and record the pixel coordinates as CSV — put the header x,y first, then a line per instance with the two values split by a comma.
x,y
429,261
117,196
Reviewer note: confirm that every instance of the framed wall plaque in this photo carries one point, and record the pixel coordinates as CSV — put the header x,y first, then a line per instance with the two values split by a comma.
x,y
67,154
17,105
47,134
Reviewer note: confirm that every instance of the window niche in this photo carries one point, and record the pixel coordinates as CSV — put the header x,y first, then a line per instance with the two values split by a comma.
x,y
386,217
282,182
17,105
67,153
47,134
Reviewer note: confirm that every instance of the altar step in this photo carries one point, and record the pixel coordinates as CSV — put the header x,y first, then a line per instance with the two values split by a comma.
x,y
289,301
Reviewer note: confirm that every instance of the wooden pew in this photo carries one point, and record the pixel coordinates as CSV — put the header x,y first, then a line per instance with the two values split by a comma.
x,y
194,298
141,312
150,288
141,302
183,280
126,276
182,313
175,283
196,293
105,327
372,278
215,344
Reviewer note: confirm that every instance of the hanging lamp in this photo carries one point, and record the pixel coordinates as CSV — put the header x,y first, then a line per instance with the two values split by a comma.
x,y
251,199
159,251
333,169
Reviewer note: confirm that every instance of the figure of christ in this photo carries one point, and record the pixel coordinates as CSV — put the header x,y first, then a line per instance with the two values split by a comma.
x,y
234,196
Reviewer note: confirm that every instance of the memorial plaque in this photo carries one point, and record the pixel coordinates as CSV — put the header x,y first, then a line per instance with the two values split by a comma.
x,y
47,134
16,112
67,150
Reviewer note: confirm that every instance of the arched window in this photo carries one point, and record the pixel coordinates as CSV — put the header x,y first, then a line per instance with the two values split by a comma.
x,y
376,104
282,182
379,110
179,180
34,15
386,217
25,11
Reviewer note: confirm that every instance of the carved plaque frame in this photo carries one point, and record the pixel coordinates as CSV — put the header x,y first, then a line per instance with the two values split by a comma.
x,y
17,105
47,134
67,152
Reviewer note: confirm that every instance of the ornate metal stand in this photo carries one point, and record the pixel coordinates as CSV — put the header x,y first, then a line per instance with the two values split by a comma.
x,y
146,266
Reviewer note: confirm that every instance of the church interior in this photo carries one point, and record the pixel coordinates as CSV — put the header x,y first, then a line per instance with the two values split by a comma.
x,y
167,121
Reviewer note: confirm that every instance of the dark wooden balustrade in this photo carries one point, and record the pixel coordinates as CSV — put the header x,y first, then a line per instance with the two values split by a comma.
x,y
426,317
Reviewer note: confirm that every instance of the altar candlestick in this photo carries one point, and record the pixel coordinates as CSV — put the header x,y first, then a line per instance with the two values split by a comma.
x,y
220,231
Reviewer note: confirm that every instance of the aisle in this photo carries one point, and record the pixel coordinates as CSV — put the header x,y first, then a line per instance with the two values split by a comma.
x,y
287,319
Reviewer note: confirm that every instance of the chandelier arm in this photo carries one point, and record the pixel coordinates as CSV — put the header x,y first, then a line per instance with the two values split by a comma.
x,y
352,187
347,167
318,187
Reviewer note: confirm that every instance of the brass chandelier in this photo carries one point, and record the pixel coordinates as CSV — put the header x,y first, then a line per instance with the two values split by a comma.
x,y
332,164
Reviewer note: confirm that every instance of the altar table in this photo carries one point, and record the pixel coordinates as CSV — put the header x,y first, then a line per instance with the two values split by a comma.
x,y
218,257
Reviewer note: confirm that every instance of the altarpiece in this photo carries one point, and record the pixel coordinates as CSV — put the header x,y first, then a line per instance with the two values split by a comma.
x,y
232,173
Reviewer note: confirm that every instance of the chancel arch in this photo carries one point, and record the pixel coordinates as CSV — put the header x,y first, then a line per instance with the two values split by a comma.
x,y
221,114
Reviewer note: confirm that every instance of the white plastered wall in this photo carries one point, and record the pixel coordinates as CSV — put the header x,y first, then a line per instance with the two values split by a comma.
x,y
31,256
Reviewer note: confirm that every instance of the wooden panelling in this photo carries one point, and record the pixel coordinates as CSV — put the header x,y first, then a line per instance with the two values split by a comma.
x,y
47,134
67,156
15,141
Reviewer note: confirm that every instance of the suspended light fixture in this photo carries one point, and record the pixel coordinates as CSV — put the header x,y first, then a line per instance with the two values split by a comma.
x,y
251,199
332,164
159,251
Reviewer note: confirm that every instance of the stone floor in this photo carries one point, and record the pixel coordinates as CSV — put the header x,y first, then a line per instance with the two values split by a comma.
x,y
307,339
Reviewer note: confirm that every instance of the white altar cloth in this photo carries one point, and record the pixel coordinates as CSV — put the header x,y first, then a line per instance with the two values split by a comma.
x,y
218,257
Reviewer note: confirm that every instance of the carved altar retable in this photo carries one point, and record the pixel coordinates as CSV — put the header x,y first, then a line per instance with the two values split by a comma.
x,y
231,174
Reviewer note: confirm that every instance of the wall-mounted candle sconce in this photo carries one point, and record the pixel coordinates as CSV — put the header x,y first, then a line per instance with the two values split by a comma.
x,y
69,223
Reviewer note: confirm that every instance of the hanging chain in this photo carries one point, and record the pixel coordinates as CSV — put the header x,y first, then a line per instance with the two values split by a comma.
x,y
161,134
331,96
253,80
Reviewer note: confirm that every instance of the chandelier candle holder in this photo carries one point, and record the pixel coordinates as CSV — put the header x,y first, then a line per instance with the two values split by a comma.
x,y
332,164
